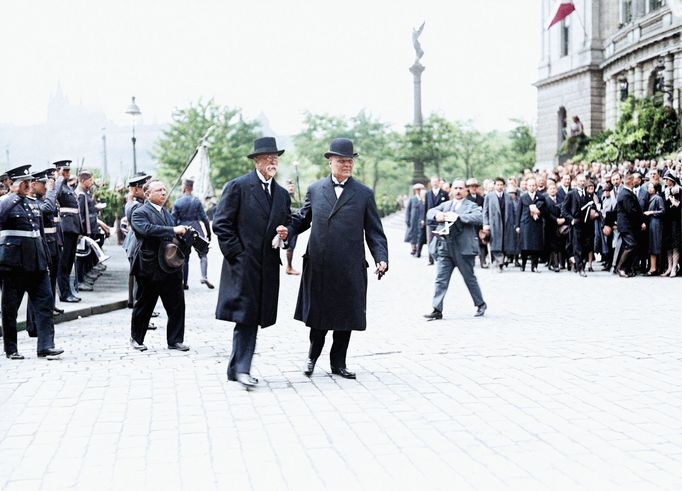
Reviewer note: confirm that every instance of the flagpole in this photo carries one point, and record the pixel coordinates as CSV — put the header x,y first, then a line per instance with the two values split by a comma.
x,y
190,160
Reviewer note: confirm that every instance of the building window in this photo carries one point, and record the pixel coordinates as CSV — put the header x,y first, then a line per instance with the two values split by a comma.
x,y
565,35
626,11
655,4
624,87
561,120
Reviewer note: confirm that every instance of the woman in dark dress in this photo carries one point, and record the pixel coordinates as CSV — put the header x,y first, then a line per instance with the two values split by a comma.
x,y
589,231
671,222
554,240
654,212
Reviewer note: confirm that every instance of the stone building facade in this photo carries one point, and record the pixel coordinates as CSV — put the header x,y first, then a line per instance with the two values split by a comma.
x,y
602,53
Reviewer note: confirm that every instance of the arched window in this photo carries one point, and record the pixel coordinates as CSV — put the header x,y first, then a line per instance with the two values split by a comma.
x,y
624,88
561,123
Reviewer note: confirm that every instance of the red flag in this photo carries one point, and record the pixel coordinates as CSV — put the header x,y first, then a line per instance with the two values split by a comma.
x,y
564,10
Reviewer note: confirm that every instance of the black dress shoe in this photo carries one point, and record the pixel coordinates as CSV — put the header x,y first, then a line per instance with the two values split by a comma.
x,y
309,367
246,380
481,310
137,346
343,373
151,327
15,356
71,299
57,311
185,286
179,347
50,352
86,287
435,315
208,284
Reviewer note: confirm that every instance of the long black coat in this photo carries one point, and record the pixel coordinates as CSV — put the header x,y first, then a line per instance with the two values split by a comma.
x,y
414,219
333,293
532,231
630,216
245,225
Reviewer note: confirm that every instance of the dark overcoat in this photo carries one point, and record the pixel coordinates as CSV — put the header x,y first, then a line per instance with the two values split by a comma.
x,y
414,219
532,231
501,221
245,225
630,216
333,292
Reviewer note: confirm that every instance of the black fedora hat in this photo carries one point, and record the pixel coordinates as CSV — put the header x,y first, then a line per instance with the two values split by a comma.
x,y
341,147
172,255
263,146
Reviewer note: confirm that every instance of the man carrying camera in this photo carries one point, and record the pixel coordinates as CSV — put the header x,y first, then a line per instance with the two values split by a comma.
x,y
155,231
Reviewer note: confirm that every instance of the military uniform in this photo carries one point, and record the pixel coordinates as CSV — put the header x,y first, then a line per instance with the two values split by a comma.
x,y
47,210
89,227
24,265
70,224
189,211
130,243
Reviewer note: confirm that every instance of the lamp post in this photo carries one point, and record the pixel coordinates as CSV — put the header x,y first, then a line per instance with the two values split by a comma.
x,y
298,183
134,112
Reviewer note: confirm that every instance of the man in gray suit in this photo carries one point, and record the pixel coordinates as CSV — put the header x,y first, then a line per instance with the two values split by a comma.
x,y
457,247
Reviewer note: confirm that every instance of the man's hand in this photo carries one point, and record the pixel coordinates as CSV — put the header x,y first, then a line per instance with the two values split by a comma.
x,y
440,216
643,227
382,267
518,230
560,221
180,230
282,232
49,185
451,216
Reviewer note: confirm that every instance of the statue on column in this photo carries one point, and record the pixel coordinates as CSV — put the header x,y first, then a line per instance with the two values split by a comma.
x,y
415,42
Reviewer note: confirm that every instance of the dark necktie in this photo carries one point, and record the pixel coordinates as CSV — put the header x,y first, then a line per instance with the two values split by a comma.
x,y
267,192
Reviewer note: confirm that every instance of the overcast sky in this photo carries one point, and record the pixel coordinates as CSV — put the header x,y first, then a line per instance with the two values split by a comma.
x,y
279,57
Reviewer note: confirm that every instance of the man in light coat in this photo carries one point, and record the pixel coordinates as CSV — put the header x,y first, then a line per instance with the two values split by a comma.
x,y
457,247
498,220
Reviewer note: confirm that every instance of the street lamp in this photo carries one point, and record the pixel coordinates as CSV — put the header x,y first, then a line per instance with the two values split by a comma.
x,y
134,112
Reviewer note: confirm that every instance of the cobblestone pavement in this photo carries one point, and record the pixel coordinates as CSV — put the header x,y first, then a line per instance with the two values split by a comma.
x,y
566,383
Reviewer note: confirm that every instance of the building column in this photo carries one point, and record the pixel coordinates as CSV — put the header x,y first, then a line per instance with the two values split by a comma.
x,y
677,77
611,102
638,89
668,80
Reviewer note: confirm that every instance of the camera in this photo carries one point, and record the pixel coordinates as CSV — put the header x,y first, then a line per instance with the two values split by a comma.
x,y
193,238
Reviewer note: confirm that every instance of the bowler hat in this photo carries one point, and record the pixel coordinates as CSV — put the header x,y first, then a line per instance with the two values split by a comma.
x,y
341,147
20,173
263,146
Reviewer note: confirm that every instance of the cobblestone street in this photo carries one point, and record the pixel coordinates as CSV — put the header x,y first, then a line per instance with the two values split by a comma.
x,y
566,383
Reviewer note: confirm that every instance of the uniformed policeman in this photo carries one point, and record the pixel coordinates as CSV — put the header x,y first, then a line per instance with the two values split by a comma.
x,y
89,228
135,188
189,211
45,203
24,265
70,225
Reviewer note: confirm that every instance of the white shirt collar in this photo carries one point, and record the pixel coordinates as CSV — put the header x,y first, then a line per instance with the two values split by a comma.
x,y
158,208
499,195
532,195
336,181
262,179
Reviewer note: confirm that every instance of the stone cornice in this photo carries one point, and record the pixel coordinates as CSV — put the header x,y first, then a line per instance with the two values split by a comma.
x,y
569,74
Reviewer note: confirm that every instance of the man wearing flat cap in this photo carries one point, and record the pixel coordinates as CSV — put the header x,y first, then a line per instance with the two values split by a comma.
x,y
188,211
342,215
89,227
24,267
70,225
245,221
136,199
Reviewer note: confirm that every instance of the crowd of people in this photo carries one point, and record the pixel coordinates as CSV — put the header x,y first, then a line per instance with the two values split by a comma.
x,y
625,216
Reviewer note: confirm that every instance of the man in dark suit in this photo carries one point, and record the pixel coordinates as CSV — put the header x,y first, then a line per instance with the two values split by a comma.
x,y
642,195
563,189
630,222
575,210
70,226
333,292
530,224
245,221
154,227
457,248
136,192
434,197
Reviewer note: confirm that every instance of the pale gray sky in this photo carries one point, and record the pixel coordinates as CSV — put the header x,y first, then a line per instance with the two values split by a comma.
x,y
281,57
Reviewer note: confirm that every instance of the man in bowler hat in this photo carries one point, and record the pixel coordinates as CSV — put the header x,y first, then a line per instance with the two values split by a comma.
x,y
333,292
245,221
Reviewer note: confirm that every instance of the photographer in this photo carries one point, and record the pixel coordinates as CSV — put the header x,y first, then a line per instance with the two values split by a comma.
x,y
155,230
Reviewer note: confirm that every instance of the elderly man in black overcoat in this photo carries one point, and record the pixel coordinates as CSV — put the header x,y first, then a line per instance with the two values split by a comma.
x,y
529,223
630,223
333,292
245,221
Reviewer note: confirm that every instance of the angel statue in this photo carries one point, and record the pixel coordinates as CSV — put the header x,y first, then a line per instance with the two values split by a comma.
x,y
415,42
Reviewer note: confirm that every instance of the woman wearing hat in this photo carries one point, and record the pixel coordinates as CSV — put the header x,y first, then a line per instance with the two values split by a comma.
x,y
654,212
672,229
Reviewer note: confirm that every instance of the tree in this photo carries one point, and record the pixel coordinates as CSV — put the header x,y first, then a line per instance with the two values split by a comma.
x,y
522,145
229,142
313,141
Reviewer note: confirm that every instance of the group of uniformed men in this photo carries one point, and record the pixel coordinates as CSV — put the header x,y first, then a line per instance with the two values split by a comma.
x,y
41,221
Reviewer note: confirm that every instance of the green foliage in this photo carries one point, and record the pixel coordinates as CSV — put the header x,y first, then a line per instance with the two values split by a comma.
x,y
229,142
645,129
522,145
115,200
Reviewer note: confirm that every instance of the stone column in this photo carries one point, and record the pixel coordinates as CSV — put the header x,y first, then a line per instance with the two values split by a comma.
x,y
417,69
677,77
668,80
612,96
638,89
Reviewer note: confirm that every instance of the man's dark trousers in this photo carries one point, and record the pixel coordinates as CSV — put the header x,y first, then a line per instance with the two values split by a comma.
x,y
37,285
243,347
66,264
337,355
172,296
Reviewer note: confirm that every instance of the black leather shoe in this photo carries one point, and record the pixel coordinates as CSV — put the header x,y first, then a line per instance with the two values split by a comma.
x,y
155,314
57,311
582,273
71,299
86,287
481,310
15,356
185,286
246,380
179,347
137,346
208,284
343,373
435,315
49,353
309,367
151,327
